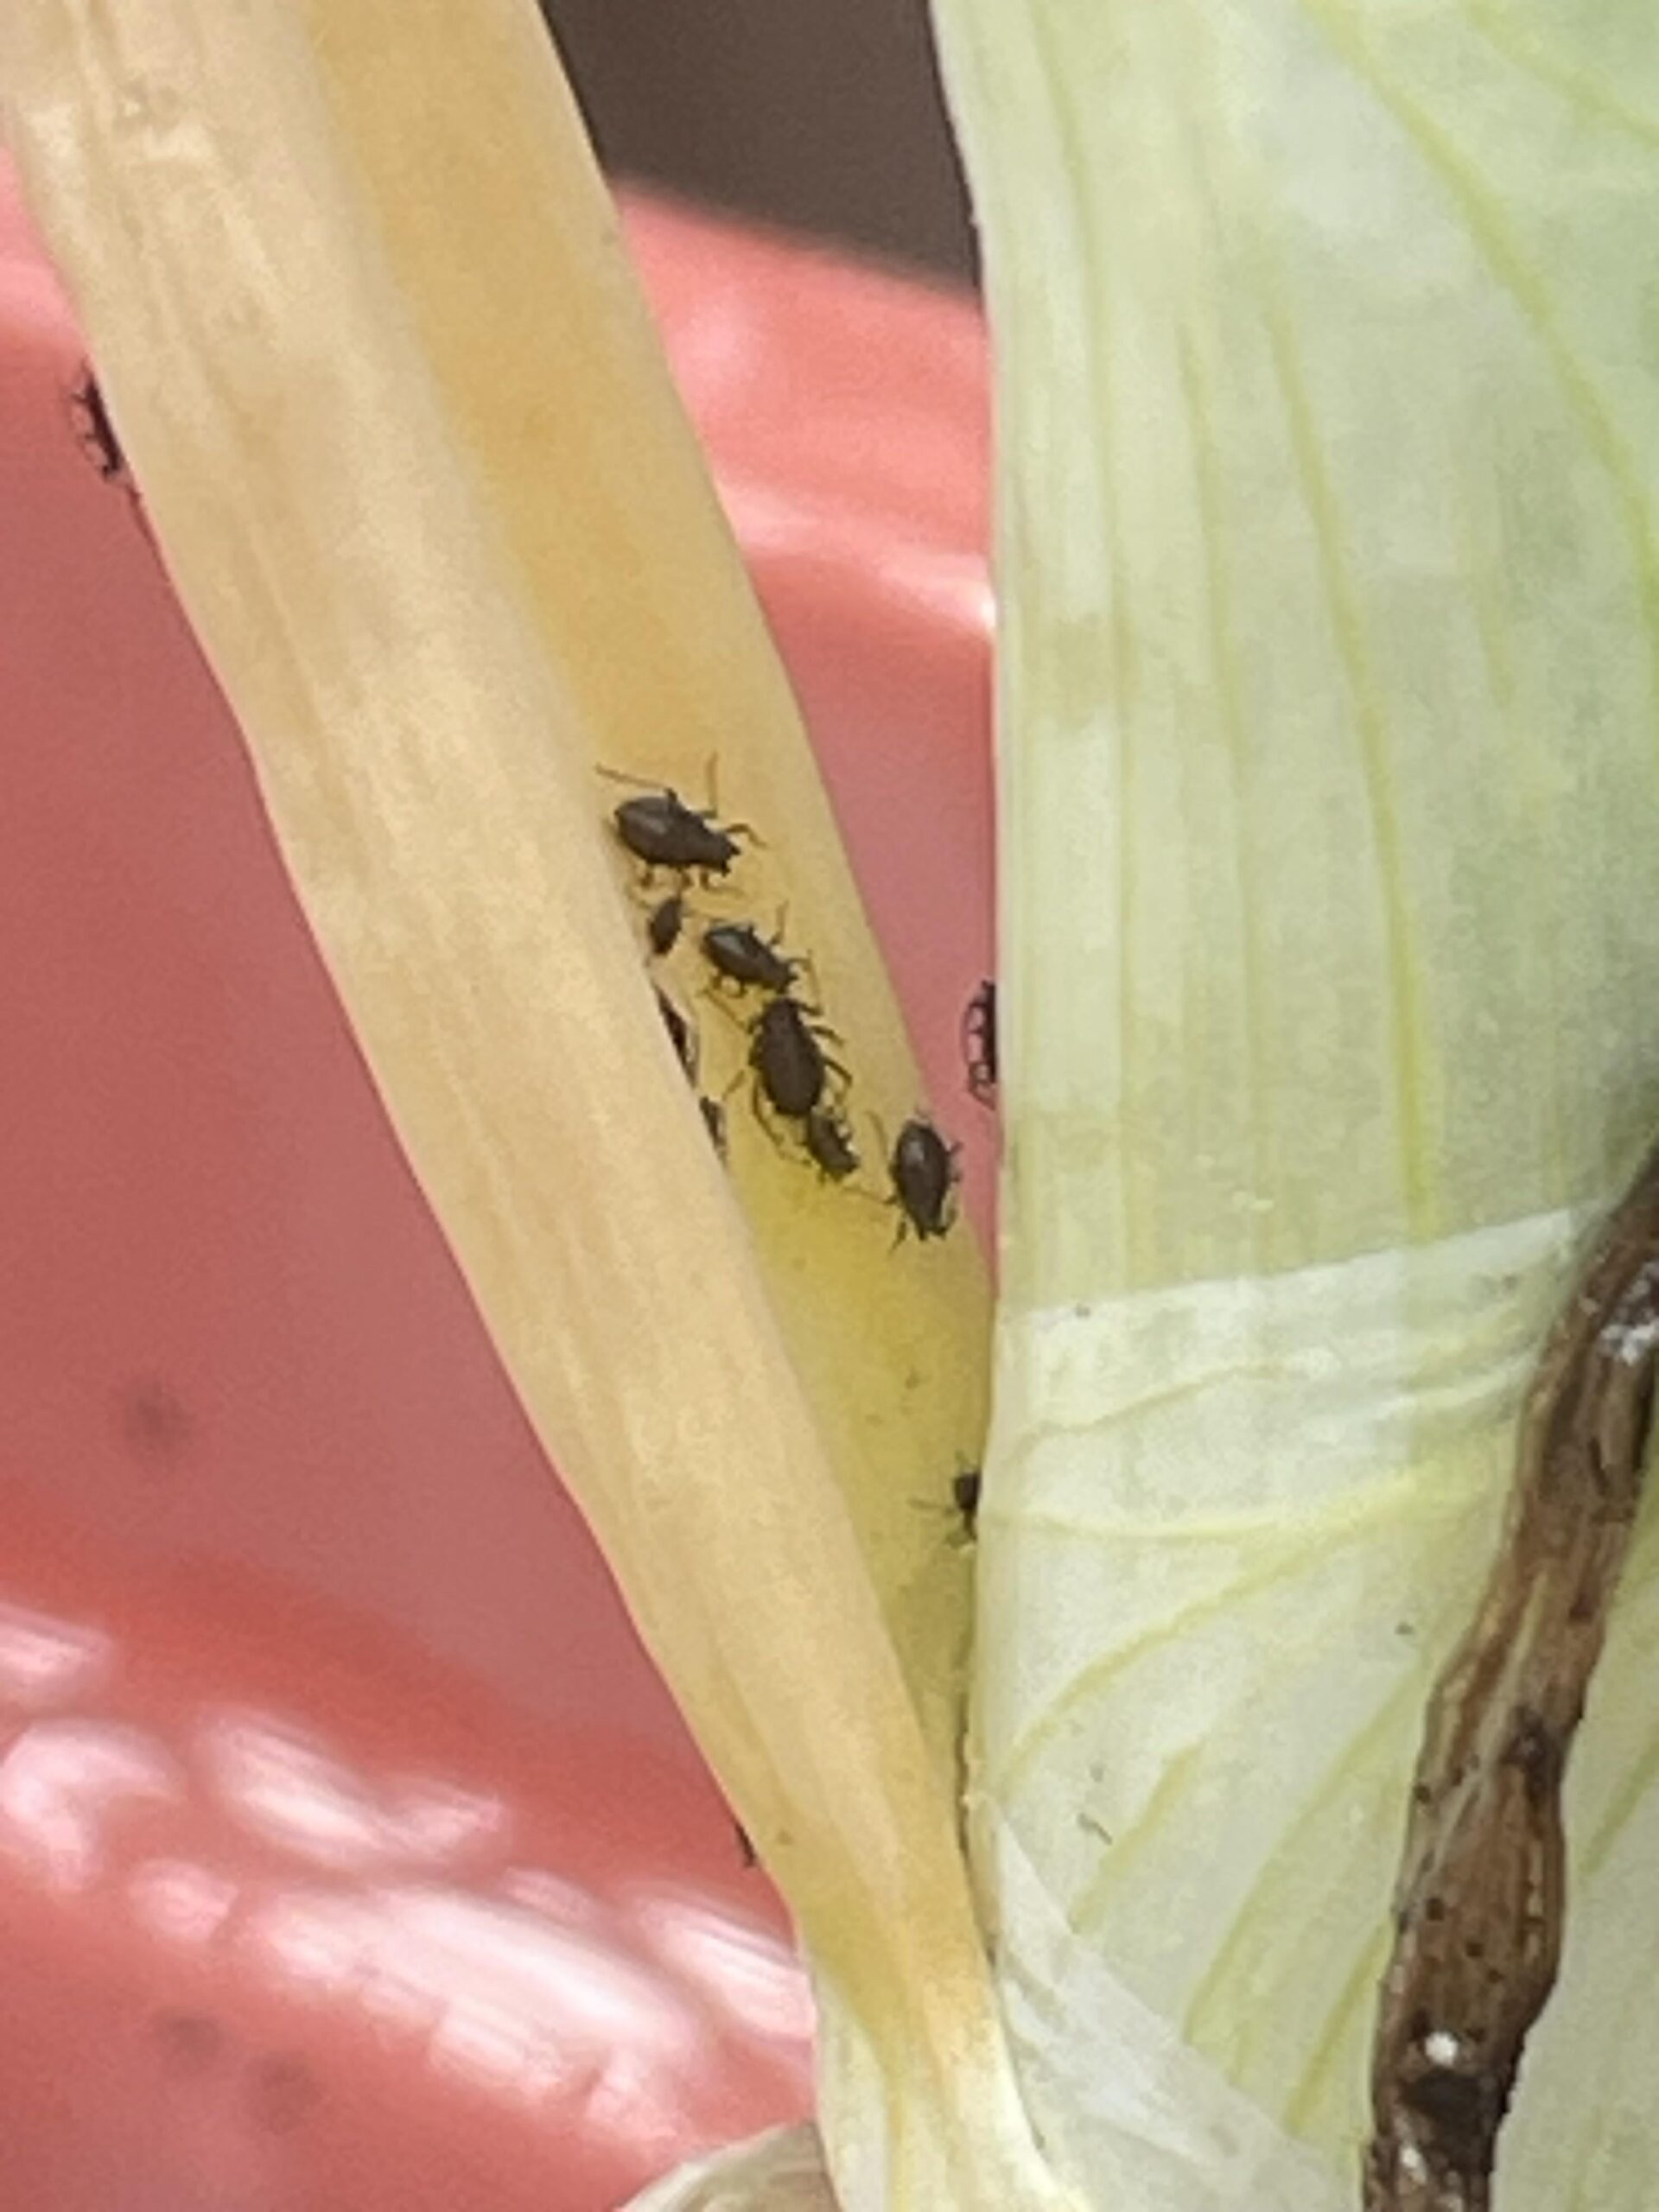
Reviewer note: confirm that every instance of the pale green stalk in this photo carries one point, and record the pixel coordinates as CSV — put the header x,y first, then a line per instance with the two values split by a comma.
x,y
1327,345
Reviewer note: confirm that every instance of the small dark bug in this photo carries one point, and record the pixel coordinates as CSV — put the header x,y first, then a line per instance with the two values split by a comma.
x,y
658,828
830,1143
97,432
663,926
964,1496
714,1120
791,1065
746,1850
963,1507
739,954
979,1042
924,1177
679,1035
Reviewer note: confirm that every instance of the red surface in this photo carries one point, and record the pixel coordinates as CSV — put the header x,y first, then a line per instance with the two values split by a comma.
x,y
350,1853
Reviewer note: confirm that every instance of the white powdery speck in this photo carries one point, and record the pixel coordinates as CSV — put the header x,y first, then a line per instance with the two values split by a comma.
x,y
1631,1342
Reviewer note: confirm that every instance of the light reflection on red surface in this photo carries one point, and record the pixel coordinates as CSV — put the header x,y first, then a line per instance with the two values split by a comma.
x,y
371,1895
741,1967
290,1789
44,1662
779,526
565,1902
180,1903
61,1784
543,1982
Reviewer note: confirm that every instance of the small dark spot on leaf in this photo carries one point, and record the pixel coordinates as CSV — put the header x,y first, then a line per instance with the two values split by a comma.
x,y
1539,1758
190,2042
153,1421
283,2092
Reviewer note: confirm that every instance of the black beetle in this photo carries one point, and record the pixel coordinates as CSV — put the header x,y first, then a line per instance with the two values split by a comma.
x,y
663,926
746,1850
830,1144
97,432
791,1065
679,1035
658,828
739,954
714,1120
924,1177
979,1042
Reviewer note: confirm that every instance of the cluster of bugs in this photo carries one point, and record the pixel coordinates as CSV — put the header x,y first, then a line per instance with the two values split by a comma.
x,y
798,1087
665,836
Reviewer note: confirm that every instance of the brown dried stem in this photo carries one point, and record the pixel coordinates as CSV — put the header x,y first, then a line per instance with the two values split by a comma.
x,y
1481,1902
